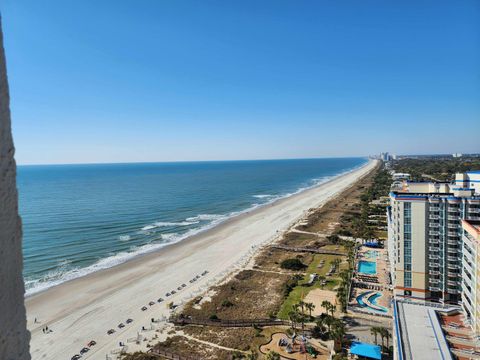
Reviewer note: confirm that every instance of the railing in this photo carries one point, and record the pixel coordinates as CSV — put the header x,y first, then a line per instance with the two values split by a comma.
x,y
309,250
229,323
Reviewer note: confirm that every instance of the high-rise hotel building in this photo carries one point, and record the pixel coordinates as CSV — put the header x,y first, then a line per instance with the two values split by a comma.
x,y
471,273
425,236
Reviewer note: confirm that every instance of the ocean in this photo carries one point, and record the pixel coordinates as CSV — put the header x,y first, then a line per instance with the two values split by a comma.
x,y
78,219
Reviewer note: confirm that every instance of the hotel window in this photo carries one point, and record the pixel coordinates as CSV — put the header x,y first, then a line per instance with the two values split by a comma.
x,y
407,238
407,280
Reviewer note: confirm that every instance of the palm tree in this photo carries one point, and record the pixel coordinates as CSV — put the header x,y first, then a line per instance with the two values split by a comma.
x,y
329,320
321,322
310,307
381,331
342,297
328,306
302,304
385,334
338,331
293,316
374,331
388,336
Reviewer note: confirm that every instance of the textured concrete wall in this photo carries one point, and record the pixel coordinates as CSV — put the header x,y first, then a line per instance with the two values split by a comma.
x,y
14,337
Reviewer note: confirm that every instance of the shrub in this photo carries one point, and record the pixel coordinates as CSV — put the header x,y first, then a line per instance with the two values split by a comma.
x,y
227,303
290,285
334,239
213,317
292,264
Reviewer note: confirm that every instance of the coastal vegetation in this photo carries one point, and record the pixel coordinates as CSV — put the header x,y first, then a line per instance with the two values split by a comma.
x,y
292,264
436,168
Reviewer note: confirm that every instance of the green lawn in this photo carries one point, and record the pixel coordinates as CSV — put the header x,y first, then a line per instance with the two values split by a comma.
x,y
300,291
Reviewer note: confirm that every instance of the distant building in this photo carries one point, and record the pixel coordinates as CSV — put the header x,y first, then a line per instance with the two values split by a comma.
x,y
469,179
385,156
425,239
400,176
457,155
471,273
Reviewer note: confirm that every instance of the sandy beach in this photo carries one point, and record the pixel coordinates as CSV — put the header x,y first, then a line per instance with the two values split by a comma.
x,y
85,309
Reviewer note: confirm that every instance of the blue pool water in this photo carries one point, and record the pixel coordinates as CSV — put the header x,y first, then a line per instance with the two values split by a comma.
x,y
367,267
82,218
366,350
373,298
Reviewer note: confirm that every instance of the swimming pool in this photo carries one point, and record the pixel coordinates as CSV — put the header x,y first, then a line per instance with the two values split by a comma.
x,y
367,267
372,297
371,254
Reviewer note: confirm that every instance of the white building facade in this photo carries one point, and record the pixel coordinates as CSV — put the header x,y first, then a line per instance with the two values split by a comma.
x,y
425,239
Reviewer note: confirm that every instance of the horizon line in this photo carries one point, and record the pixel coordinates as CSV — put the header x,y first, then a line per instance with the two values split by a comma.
x,y
193,161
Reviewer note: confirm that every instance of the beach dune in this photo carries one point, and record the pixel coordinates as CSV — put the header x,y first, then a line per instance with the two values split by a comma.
x,y
85,309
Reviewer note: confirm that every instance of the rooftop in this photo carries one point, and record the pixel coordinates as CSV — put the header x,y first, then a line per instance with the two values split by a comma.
x,y
419,332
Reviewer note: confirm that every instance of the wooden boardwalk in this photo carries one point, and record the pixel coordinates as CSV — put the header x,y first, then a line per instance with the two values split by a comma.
x,y
229,323
309,250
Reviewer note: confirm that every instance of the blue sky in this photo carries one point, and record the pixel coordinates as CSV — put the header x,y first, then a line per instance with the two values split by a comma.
x,y
120,81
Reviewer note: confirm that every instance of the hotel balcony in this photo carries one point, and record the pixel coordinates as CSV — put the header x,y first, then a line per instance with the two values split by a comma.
x,y
473,217
434,225
453,217
452,233
469,257
474,210
453,291
433,232
433,248
453,266
434,272
434,217
452,242
434,257
467,281
453,258
434,288
467,291
434,265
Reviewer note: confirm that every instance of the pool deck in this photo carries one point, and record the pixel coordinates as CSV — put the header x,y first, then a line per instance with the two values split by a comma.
x,y
378,282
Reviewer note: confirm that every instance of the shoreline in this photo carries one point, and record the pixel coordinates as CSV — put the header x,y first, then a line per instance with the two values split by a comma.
x,y
86,307
199,231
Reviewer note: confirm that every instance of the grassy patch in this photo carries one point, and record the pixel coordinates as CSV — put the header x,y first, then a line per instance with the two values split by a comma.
x,y
300,291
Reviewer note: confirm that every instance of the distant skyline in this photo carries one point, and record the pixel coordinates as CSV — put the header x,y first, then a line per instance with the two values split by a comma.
x,y
146,81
